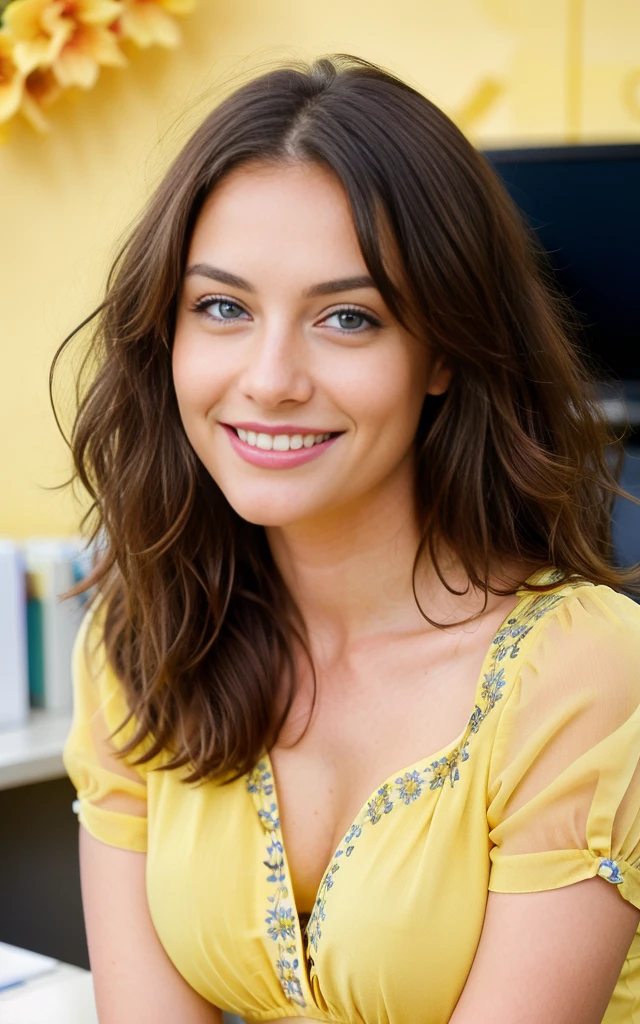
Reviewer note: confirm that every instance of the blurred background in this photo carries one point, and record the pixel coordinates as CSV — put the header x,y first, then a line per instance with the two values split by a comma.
x,y
510,73
549,89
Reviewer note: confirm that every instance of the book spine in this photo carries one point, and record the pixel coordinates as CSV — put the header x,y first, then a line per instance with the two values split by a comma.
x,y
14,679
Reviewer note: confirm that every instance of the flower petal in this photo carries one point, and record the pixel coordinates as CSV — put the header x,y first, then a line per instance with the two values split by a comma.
x,y
80,59
178,7
33,113
148,25
39,31
97,12
11,79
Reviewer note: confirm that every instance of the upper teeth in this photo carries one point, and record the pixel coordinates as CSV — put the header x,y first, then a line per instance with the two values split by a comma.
x,y
280,442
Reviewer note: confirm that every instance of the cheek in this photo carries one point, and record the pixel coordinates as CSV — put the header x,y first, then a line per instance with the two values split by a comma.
x,y
387,398
196,377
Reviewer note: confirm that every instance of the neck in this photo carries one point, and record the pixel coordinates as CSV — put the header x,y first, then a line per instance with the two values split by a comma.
x,y
350,574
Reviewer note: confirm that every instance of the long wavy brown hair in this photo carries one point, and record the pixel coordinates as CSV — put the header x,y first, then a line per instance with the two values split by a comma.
x,y
515,461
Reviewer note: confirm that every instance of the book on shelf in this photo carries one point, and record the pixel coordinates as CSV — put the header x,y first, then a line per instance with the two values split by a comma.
x,y
14,673
37,627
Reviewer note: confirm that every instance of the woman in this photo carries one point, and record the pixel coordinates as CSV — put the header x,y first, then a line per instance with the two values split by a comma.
x,y
356,604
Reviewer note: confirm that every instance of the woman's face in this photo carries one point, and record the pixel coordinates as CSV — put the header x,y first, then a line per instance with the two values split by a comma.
x,y
282,339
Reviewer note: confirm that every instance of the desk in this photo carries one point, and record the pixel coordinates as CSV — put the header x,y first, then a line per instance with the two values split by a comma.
x,y
63,996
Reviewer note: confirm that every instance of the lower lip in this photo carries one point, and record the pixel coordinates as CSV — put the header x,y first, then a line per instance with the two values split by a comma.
x,y
276,460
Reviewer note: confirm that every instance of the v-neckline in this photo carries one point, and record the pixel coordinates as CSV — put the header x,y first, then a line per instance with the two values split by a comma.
x,y
270,814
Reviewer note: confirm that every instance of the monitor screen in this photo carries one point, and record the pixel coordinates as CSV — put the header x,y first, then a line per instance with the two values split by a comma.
x,y
584,204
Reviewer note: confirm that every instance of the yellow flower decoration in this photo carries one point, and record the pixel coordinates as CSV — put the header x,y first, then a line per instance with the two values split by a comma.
x,y
39,31
49,45
72,37
149,22
11,79
89,47
41,89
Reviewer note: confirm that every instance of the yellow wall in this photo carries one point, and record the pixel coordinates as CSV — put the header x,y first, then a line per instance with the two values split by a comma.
x,y
507,70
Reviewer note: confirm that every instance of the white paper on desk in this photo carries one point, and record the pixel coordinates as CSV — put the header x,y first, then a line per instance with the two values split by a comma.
x,y
21,964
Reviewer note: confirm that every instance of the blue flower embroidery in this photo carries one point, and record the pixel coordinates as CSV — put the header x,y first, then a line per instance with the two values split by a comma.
x,y
314,931
269,818
258,780
354,832
610,870
281,923
411,785
281,919
276,862
380,804
289,980
407,788
511,636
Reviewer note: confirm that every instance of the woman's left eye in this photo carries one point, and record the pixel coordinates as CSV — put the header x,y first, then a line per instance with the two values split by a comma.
x,y
219,309
351,320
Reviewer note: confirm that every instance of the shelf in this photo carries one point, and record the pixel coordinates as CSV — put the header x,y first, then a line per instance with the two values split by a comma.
x,y
32,752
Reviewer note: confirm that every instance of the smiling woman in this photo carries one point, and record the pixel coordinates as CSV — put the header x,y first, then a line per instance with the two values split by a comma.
x,y
308,334
356,618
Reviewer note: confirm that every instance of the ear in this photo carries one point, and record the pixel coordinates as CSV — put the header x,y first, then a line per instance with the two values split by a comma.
x,y
439,377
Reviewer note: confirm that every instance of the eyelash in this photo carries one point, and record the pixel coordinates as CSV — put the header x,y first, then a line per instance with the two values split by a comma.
x,y
201,306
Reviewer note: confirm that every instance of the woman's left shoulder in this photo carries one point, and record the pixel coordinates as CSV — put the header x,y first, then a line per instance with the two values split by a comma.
x,y
588,638
589,611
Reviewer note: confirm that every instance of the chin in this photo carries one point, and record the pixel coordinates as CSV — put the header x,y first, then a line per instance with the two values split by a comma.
x,y
264,513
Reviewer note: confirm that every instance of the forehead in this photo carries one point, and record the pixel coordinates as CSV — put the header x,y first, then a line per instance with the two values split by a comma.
x,y
293,215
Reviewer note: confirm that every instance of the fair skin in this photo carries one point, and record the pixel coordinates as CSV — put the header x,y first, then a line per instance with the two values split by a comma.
x,y
263,338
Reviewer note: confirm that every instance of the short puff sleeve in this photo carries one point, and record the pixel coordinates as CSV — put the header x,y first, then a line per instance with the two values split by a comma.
x,y
112,795
564,780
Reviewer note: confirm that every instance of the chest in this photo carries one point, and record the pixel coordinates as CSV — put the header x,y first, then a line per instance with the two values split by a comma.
x,y
375,716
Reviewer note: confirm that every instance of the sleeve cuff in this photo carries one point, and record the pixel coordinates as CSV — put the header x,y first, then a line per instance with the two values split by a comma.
x,y
126,831
537,872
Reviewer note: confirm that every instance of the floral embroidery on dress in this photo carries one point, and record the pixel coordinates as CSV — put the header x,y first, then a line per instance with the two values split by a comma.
x,y
381,803
610,869
409,786
258,780
281,915
515,630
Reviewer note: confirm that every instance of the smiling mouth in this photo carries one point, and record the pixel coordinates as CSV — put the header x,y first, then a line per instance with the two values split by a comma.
x,y
281,442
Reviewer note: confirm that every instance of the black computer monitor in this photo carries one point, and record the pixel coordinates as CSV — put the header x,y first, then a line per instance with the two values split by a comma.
x,y
584,204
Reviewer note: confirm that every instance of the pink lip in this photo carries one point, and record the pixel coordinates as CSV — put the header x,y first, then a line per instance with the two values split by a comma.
x,y
281,428
276,460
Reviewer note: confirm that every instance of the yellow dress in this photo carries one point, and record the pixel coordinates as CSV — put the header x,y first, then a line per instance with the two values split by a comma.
x,y
541,790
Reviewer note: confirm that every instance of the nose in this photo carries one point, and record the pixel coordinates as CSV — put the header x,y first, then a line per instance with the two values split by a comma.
x,y
276,370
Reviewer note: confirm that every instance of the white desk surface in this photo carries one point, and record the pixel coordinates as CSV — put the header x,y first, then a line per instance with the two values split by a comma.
x,y
33,752
63,996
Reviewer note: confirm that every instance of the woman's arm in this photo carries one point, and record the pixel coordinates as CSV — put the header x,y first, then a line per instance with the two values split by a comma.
x,y
550,957
133,977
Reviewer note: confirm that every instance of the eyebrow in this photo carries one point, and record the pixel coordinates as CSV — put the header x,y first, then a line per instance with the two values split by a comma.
x,y
341,284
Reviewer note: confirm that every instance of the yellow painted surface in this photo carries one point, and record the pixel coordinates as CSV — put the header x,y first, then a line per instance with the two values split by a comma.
x,y
507,70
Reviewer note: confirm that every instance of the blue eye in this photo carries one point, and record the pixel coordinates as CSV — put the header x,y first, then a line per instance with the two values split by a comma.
x,y
226,309
351,320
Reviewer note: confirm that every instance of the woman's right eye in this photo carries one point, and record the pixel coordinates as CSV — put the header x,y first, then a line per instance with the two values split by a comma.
x,y
218,309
